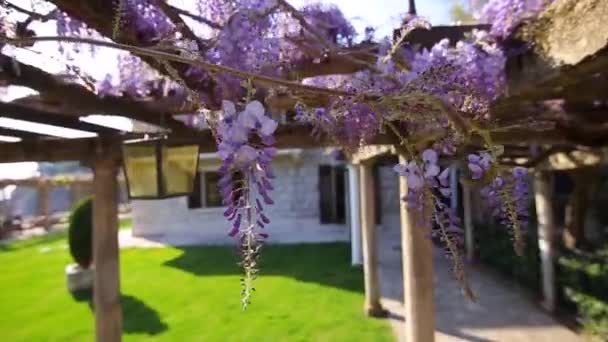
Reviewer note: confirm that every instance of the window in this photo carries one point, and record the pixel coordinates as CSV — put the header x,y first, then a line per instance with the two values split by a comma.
x,y
332,192
194,200
213,198
206,190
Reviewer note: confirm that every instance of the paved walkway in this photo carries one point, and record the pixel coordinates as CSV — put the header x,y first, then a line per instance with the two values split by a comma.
x,y
501,313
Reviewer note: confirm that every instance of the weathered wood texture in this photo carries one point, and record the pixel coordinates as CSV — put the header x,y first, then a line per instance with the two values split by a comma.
x,y
21,112
370,152
568,44
547,233
578,206
417,255
43,205
108,315
370,242
73,99
469,228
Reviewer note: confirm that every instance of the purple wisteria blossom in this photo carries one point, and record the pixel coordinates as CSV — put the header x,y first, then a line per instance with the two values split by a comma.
x,y
428,185
505,15
479,164
245,148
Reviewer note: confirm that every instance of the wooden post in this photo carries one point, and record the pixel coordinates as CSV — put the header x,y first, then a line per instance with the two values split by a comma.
x,y
468,223
543,196
576,211
43,204
370,243
417,254
108,316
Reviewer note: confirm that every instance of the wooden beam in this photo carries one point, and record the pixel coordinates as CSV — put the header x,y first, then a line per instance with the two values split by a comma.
x,y
428,38
578,206
74,99
82,149
20,134
417,254
547,235
564,41
371,152
108,315
48,150
469,228
370,244
20,112
43,204
287,136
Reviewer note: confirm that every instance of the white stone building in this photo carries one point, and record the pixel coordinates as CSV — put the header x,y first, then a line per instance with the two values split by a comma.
x,y
312,203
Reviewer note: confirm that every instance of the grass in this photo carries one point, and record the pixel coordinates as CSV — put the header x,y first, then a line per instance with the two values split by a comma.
x,y
305,293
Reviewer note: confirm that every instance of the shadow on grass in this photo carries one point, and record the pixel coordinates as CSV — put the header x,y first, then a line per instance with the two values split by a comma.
x,y
326,264
138,318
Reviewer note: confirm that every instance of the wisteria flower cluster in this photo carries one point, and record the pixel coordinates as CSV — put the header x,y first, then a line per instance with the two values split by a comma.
x,y
245,148
428,186
505,194
419,175
505,15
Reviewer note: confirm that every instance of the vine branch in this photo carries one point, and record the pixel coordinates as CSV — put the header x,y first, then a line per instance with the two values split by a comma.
x,y
142,51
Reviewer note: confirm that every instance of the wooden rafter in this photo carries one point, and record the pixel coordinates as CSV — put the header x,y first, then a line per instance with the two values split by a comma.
x,y
20,134
20,112
566,44
77,100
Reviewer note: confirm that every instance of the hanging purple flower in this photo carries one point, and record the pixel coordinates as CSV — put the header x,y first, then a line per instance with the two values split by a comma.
x,y
245,181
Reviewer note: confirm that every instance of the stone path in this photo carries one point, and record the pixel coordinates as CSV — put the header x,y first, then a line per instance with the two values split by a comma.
x,y
501,313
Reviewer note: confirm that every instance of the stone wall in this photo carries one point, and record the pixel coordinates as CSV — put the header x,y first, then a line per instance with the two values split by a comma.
x,y
389,187
295,215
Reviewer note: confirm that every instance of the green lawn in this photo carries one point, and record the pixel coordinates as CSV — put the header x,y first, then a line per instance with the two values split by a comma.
x,y
305,293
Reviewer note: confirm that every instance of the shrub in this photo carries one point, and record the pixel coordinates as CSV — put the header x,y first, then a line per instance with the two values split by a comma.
x,y
80,233
583,280
495,248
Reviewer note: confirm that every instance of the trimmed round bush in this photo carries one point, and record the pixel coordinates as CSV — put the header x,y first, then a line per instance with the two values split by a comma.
x,y
80,232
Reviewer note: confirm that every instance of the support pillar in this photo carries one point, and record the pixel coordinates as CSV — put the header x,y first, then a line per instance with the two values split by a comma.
x,y
354,215
469,234
106,288
454,187
370,243
417,254
578,204
43,204
547,234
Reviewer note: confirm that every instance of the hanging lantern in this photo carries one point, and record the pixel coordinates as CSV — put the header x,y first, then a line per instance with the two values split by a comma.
x,y
155,169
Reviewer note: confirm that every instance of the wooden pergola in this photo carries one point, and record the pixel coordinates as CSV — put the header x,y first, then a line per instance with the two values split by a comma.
x,y
566,58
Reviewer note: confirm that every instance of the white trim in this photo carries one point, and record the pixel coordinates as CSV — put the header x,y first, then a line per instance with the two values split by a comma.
x,y
355,216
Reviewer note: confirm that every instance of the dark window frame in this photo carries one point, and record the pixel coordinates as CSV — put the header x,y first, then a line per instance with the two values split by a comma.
x,y
210,191
201,197
332,194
